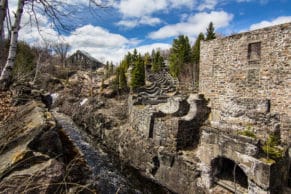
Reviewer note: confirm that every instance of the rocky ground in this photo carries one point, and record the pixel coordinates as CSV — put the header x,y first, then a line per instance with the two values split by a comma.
x,y
42,150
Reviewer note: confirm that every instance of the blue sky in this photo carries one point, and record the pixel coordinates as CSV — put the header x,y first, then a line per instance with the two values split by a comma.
x,y
146,24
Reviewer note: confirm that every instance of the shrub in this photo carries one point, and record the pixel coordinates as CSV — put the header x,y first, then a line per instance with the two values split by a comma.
x,y
247,133
271,147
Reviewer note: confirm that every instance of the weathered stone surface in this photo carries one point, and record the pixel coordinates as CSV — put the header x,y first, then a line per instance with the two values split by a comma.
x,y
246,91
39,178
35,156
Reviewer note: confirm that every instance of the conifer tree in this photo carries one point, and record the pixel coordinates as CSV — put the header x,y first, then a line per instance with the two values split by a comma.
x,y
122,79
210,34
180,54
196,58
158,62
111,69
138,73
147,59
196,48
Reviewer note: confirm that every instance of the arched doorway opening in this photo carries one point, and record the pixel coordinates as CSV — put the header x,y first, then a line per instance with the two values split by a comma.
x,y
228,174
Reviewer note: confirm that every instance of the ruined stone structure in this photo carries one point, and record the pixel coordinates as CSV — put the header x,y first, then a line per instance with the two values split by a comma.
x,y
84,60
214,139
247,79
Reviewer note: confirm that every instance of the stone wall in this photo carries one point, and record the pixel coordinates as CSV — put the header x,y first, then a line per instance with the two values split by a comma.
x,y
247,79
263,176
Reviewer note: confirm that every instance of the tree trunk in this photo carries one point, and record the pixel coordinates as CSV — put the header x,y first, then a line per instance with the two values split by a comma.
x,y
6,74
3,8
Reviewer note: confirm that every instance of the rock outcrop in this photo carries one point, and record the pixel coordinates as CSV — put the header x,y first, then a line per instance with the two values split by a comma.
x,y
35,154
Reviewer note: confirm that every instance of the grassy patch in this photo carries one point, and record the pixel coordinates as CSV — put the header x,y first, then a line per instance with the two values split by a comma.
x,y
247,133
271,147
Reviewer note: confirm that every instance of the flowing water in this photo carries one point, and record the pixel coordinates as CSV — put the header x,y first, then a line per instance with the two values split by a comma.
x,y
107,175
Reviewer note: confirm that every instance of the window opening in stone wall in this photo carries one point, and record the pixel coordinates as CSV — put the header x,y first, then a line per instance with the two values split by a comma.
x,y
254,51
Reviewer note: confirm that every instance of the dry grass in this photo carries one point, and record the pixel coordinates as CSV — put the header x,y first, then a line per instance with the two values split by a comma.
x,y
30,184
6,109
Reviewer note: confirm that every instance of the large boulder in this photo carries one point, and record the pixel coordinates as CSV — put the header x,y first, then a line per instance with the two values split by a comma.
x,y
36,156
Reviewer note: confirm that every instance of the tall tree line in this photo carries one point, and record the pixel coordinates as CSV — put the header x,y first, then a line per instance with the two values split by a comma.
x,y
184,60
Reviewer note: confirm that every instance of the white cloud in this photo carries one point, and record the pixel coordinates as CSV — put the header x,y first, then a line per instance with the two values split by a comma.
x,y
134,8
94,36
148,48
145,20
140,12
260,1
100,43
194,25
207,4
279,20
103,45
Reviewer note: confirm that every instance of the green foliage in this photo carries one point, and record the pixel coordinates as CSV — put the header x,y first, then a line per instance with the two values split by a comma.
x,y
180,54
247,133
138,73
111,68
158,62
175,65
271,147
210,34
25,60
120,80
126,62
147,59
196,48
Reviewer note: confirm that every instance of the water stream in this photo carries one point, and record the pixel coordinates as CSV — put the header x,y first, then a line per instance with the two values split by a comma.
x,y
107,175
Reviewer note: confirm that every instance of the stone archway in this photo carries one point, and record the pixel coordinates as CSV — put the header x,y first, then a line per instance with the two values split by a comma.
x,y
228,174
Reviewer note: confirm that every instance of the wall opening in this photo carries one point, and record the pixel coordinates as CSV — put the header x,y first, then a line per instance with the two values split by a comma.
x,y
254,51
151,130
156,165
228,174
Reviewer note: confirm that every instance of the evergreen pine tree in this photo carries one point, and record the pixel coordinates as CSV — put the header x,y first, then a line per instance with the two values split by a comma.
x,y
138,73
210,34
117,75
196,58
111,69
147,59
122,79
180,54
158,62
196,48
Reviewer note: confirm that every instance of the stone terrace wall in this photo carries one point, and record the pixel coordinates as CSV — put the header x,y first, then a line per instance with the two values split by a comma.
x,y
252,68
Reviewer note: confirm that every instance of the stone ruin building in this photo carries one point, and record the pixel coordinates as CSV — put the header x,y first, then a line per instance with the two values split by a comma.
x,y
193,142
83,60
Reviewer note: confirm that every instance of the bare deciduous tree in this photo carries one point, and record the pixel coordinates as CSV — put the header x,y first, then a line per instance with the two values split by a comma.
x,y
3,8
42,58
6,74
61,49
